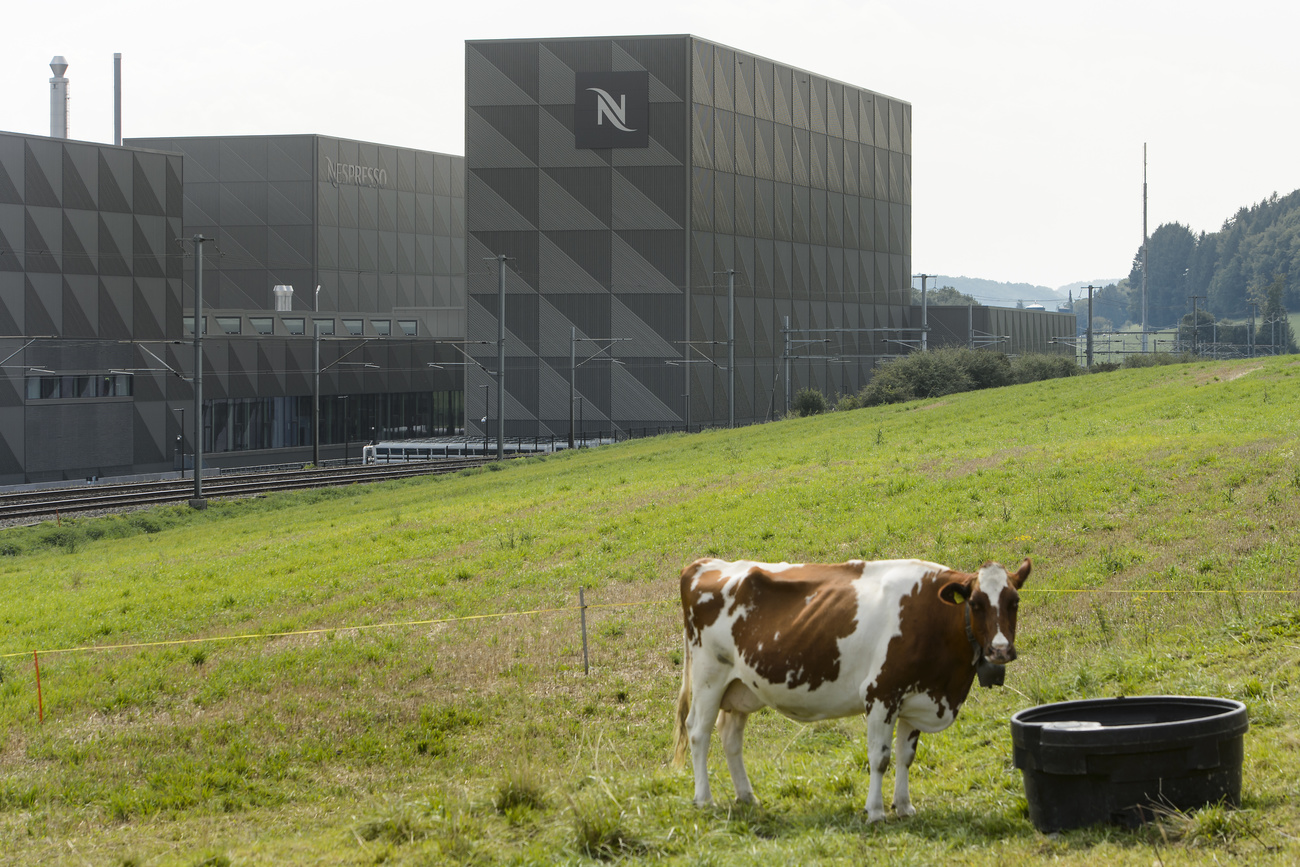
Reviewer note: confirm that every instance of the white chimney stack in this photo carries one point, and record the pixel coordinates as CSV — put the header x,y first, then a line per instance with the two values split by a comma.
x,y
59,99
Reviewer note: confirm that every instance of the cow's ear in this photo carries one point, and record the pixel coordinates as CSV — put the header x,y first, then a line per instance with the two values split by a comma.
x,y
955,592
1019,578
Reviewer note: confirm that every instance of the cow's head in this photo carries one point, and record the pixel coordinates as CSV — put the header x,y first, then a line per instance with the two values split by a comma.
x,y
993,599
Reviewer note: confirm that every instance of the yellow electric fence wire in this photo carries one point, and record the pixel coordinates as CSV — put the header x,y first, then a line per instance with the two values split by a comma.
x,y
431,622
300,632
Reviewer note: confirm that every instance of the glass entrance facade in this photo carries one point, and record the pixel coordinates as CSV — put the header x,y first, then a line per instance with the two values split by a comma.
x,y
246,424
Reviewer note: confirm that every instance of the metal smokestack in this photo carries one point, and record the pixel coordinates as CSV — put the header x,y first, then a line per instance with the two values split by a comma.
x,y
59,99
117,99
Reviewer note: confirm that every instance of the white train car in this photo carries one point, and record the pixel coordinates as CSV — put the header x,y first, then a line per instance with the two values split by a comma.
x,y
408,451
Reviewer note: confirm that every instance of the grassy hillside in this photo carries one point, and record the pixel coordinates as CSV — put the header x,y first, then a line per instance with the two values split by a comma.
x,y
1159,505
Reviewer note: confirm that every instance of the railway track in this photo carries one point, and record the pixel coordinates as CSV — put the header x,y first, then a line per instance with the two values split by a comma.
x,y
71,501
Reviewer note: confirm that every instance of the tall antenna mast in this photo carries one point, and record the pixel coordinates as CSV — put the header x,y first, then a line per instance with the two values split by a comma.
x,y
1144,247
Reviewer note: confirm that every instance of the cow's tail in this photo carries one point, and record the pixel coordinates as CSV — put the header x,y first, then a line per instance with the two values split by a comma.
x,y
682,738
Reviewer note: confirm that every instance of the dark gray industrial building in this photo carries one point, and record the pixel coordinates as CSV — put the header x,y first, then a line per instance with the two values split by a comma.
x,y
96,299
1003,329
625,177
632,184
90,273
380,229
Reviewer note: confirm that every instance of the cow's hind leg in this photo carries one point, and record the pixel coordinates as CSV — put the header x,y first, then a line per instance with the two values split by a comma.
x,y
879,729
738,702
731,730
706,701
905,748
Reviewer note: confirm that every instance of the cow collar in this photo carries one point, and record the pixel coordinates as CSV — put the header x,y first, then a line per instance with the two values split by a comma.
x,y
990,674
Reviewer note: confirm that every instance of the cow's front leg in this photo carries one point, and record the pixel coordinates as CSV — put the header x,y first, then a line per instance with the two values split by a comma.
x,y
879,728
905,747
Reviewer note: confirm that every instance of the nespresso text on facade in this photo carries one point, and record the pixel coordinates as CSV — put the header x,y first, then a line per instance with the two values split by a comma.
x,y
361,176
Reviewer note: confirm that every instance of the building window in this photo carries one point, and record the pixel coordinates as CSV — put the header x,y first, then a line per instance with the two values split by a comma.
x,y
383,327
80,387
353,327
410,327
230,324
323,326
189,325
295,325
262,324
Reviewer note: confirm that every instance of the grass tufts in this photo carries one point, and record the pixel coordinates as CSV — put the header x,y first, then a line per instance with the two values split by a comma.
x,y
520,790
600,830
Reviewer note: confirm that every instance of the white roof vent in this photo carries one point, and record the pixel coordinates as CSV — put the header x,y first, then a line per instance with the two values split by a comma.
x,y
283,298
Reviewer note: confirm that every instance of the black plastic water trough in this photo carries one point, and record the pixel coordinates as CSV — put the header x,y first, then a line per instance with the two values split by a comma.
x,y
1112,760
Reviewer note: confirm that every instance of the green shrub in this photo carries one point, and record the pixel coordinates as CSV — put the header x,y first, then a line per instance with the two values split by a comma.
x,y
987,368
948,371
921,374
809,401
1035,367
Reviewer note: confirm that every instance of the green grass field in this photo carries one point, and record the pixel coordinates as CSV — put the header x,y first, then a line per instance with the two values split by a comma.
x,y
1157,504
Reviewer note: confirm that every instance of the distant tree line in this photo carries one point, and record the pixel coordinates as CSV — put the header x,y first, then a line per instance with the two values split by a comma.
x,y
945,296
1253,260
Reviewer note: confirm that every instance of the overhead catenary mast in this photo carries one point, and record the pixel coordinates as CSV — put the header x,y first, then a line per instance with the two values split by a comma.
x,y
1144,247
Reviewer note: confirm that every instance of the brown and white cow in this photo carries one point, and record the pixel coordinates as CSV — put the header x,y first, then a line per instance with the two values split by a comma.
x,y
898,640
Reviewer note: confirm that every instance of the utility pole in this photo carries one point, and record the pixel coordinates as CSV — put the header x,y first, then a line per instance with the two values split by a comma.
x,y
500,259
501,356
925,313
1144,248
731,346
1196,325
315,395
573,365
1088,353
180,439
1254,308
197,500
787,365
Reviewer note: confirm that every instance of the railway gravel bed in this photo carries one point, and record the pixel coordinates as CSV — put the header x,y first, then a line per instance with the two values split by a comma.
x,y
32,507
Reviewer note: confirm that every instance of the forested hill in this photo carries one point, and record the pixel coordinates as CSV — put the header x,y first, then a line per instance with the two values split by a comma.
x,y
1255,258
1001,294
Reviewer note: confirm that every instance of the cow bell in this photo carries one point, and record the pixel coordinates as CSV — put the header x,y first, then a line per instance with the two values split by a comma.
x,y
990,674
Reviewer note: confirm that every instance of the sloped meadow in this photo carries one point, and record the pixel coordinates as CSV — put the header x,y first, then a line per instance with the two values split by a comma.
x,y
394,673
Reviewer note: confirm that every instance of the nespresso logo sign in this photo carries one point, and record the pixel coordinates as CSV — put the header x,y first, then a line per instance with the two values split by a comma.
x,y
611,110
360,176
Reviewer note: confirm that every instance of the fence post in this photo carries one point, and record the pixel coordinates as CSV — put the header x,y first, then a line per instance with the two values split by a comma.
x,y
40,702
582,605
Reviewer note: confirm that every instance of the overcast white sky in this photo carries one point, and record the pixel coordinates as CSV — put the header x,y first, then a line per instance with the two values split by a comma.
x,y
1028,117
